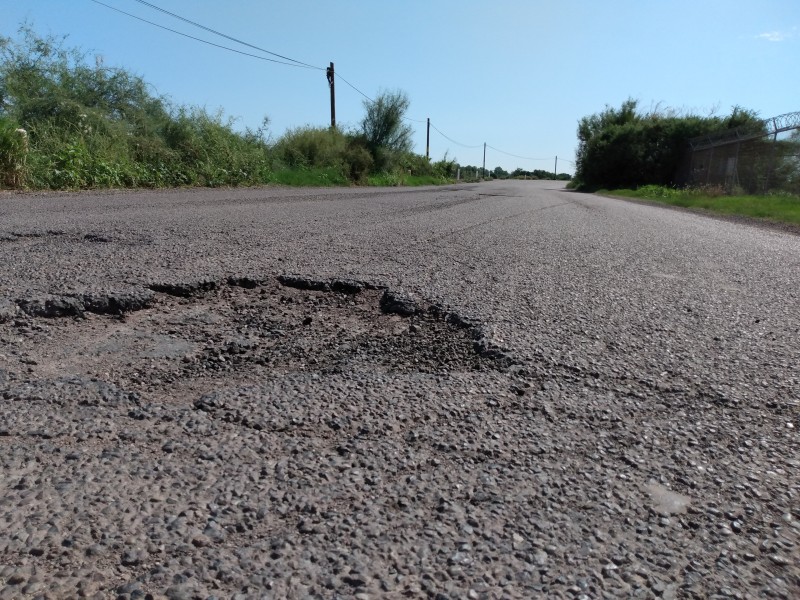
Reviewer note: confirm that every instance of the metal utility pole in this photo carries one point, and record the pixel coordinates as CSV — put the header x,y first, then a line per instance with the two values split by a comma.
x,y
555,171
483,174
428,141
329,74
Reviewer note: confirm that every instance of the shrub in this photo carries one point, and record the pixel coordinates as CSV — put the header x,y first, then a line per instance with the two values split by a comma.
x,y
311,147
626,148
13,154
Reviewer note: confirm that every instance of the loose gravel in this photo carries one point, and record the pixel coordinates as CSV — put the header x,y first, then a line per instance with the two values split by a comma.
x,y
491,391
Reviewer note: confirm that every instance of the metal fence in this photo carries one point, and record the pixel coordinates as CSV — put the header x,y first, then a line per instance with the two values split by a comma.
x,y
755,160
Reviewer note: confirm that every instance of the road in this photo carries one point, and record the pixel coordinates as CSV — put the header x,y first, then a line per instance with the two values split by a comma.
x,y
592,398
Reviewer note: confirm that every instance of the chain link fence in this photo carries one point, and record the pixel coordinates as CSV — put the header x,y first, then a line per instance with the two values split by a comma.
x,y
758,160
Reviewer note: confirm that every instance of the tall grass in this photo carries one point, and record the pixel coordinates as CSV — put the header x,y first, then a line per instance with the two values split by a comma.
x,y
91,127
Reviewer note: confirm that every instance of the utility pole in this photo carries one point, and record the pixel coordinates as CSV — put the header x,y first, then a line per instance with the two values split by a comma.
x,y
555,171
428,141
329,74
483,174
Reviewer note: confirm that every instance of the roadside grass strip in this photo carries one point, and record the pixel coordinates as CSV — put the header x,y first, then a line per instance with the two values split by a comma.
x,y
781,208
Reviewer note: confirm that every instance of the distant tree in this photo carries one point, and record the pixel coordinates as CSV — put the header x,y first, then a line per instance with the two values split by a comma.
x,y
385,134
499,173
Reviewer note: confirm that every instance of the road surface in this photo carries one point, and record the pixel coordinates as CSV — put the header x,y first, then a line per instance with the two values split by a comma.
x,y
505,389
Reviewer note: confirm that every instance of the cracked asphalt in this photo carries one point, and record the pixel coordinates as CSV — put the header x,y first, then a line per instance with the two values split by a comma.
x,y
497,390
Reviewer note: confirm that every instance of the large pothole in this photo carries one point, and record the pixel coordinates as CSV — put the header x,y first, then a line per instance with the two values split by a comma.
x,y
193,335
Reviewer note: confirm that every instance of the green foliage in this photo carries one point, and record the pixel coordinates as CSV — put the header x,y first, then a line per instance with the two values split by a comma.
x,y
385,134
624,147
314,177
782,207
87,126
311,147
97,127
499,173
358,159
13,154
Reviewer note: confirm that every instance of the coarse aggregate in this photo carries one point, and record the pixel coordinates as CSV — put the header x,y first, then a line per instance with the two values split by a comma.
x,y
496,390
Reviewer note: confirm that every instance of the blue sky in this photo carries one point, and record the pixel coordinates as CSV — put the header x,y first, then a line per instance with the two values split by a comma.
x,y
515,74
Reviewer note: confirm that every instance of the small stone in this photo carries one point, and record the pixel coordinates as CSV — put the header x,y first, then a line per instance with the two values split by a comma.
x,y
779,559
666,502
131,558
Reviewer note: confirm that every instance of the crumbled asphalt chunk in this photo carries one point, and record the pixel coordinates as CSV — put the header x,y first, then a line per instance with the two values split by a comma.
x,y
245,282
8,310
184,290
304,283
52,306
398,304
348,286
114,303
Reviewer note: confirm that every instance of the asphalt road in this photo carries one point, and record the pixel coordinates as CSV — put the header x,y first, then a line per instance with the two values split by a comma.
x,y
594,398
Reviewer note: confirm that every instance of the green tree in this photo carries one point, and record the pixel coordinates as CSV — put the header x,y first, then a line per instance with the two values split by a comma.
x,y
499,173
385,134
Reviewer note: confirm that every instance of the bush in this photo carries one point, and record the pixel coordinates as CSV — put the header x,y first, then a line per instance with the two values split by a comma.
x,y
625,148
358,160
13,154
99,127
89,126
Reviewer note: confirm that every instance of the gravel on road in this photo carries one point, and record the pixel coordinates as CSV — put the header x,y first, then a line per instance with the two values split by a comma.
x,y
499,390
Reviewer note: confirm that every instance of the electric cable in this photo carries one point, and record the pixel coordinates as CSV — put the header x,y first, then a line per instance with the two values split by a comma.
x,y
214,31
191,37
292,63
452,140
517,156
339,76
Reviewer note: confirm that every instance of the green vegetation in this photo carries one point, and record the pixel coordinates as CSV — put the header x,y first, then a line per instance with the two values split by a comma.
x,y
628,148
782,208
66,124
499,173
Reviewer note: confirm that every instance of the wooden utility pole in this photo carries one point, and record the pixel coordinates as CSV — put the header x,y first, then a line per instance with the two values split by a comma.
x,y
329,73
428,141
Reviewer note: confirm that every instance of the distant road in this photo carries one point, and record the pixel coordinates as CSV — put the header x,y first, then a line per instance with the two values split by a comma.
x,y
645,434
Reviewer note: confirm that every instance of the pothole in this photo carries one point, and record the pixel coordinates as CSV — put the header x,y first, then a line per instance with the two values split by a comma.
x,y
241,331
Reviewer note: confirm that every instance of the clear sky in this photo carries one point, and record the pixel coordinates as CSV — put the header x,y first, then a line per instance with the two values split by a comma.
x,y
516,74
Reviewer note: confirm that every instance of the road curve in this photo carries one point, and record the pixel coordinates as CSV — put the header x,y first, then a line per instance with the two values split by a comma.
x,y
505,389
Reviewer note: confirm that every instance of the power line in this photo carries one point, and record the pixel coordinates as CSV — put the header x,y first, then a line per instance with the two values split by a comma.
x,y
452,140
339,76
214,31
191,37
293,63
517,156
